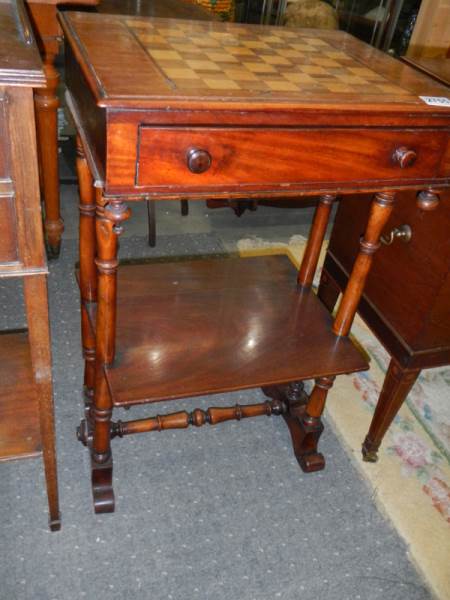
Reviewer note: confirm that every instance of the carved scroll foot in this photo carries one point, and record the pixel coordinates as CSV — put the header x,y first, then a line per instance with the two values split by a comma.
x,y
102,488
305,430
305,433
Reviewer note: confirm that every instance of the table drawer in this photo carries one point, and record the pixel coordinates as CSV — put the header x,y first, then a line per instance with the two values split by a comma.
x,y
215,157
8,238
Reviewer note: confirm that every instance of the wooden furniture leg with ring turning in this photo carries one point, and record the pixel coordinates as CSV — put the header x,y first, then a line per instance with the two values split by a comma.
x,y
48,35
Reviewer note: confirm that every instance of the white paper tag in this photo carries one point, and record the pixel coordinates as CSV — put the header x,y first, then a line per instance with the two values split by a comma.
x,y
436,100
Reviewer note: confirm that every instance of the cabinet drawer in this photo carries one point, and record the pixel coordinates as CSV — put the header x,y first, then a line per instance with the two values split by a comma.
x,y
8,239
200,157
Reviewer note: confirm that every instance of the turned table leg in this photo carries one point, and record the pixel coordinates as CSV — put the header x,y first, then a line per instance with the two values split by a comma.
x,y
108,228
397,385
87,281
315,240
304,420
46,103
303,412
380,211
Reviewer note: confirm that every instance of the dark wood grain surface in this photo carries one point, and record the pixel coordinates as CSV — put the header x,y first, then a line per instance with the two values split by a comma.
x,y
19,421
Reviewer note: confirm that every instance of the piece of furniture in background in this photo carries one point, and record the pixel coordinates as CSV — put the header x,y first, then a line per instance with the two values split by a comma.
x,y
317,14
48,36
431,35
194,327
26,398
407,297
406,302
177,9
272,11
437,68
223,9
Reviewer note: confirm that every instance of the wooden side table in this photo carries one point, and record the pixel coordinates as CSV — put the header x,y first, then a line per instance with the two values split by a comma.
x,y
48,35
212,110
26,401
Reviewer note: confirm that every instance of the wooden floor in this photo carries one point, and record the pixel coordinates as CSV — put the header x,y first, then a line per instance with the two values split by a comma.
x,y
199,327
19,413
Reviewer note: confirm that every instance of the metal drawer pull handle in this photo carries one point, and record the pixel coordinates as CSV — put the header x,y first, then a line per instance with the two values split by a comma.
x,y
198,161
404,233
404,157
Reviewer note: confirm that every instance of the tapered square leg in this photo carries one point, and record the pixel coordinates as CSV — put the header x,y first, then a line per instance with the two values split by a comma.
x,y
397,385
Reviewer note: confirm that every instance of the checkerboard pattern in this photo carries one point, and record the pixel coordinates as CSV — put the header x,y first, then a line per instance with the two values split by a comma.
x,y
196,56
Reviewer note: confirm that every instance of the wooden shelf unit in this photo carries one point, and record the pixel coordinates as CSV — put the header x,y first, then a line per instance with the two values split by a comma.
x,y
26,398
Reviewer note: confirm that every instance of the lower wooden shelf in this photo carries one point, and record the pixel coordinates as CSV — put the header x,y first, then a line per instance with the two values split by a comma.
x,y
19,411
196,327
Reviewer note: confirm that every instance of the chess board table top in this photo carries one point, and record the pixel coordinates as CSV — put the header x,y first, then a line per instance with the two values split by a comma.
x,y
162,63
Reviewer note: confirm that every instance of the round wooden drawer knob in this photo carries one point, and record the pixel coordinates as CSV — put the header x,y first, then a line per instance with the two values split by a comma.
x,y
427,200
198,161
404,157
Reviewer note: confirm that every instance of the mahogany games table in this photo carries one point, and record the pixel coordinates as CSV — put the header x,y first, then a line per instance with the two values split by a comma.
x,y
169,110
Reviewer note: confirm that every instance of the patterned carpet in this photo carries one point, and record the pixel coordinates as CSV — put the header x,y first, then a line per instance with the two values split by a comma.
x,y
411,481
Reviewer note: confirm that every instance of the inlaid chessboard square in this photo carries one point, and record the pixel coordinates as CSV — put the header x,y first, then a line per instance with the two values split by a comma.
x,y
194,55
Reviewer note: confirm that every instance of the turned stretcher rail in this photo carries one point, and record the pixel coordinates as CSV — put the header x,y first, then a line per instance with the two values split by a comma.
x,y
198,418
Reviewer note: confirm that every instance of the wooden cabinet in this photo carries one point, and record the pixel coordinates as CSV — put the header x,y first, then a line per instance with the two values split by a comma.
x,y
406,302
26,401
